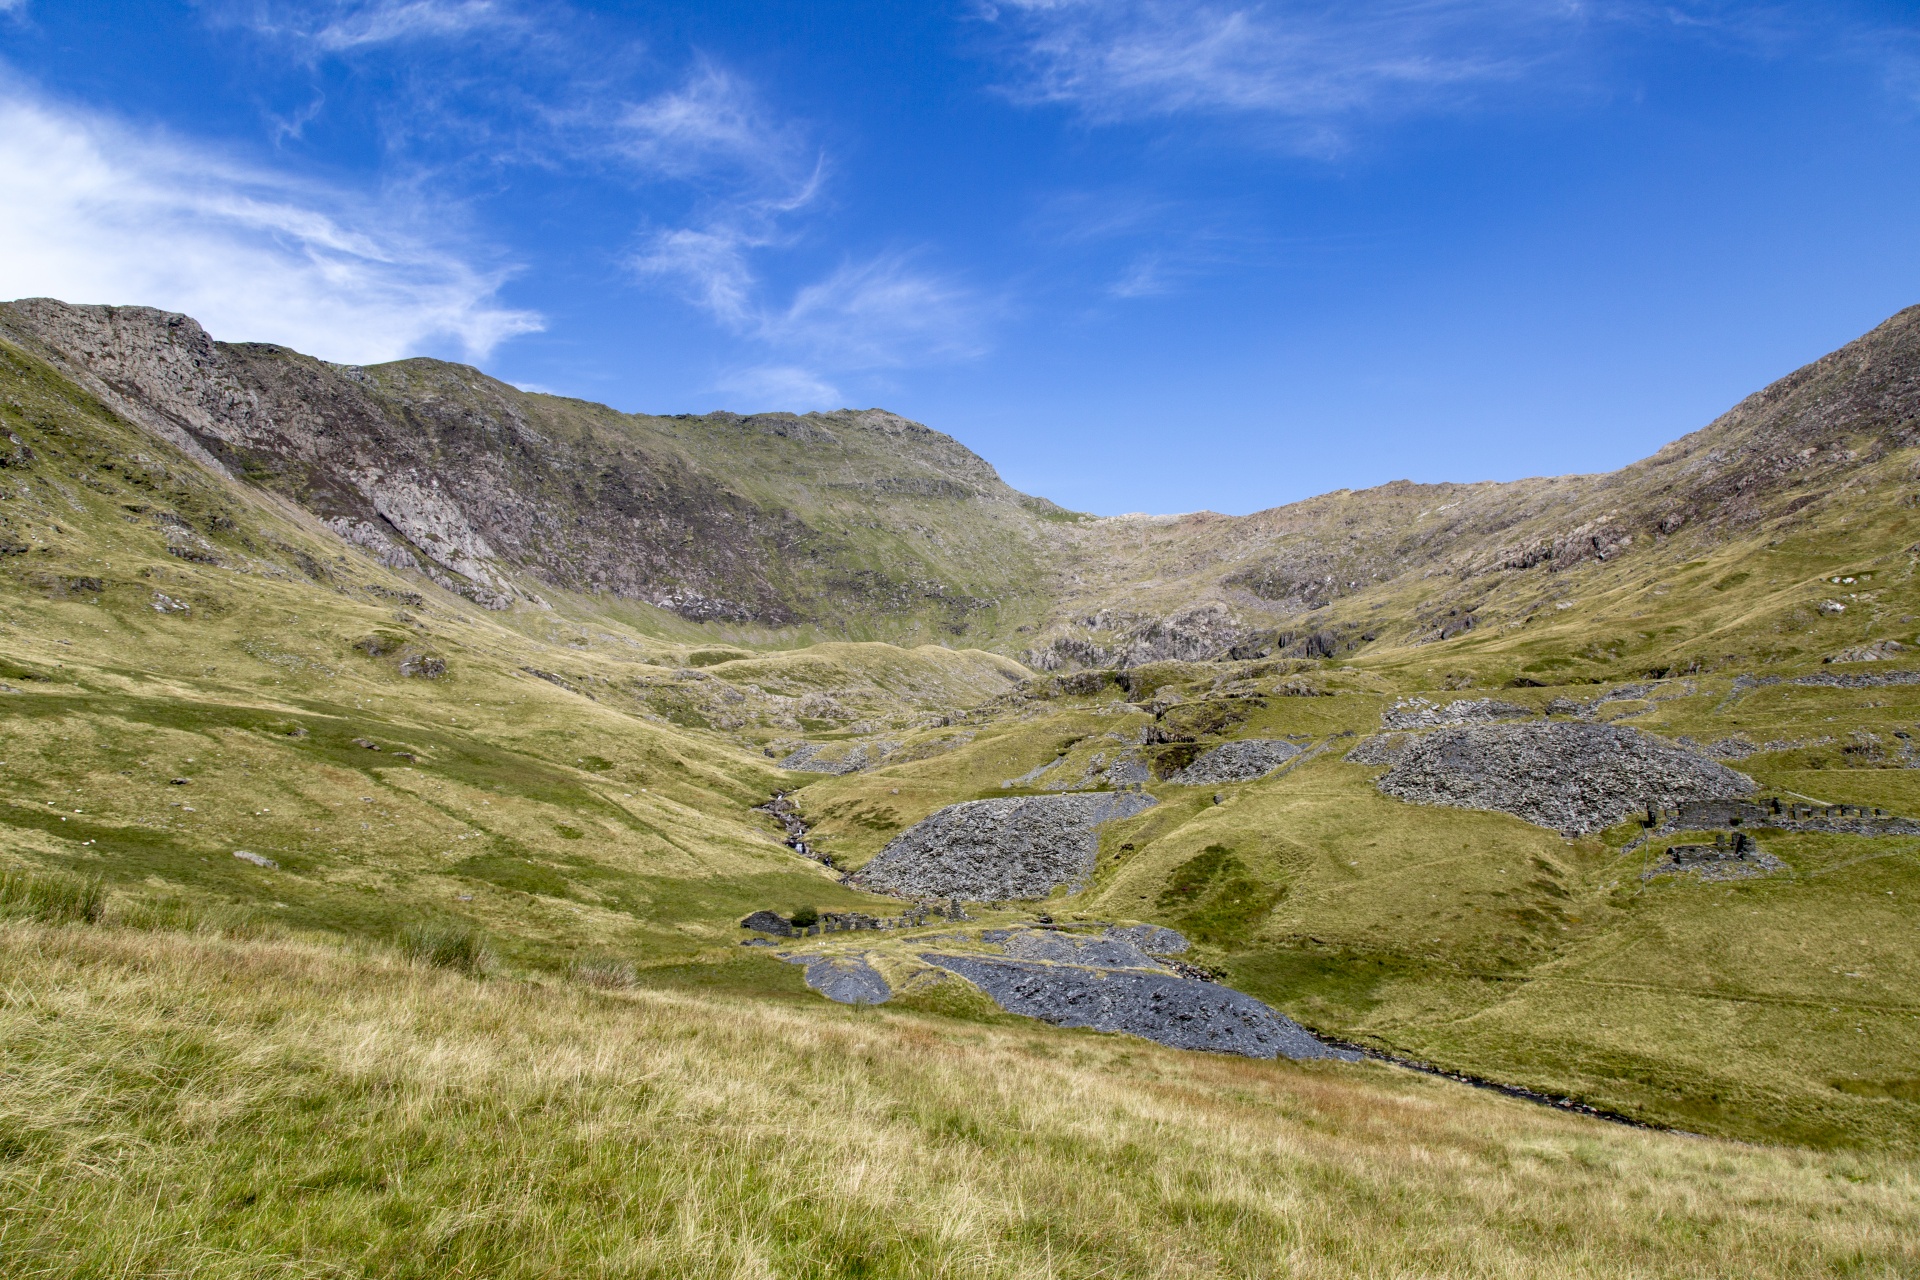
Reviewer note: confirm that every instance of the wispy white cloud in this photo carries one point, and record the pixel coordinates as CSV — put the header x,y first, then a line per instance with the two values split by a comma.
x,y
781,386
714,125
759,177
711,266
10,6
96,212
881,313
1310,64
387,21
341,26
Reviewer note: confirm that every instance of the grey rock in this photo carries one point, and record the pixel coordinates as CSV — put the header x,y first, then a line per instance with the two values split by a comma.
x,y
1574,778
844,979
1241,761
1851,680
768,922
1742,860
999,849
256,859
1151,1003
1150,938
1381,748
839,758
1876,651
1419,713
1065,948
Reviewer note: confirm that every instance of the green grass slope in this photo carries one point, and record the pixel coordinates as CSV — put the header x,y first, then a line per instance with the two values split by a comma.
x,y
196,1105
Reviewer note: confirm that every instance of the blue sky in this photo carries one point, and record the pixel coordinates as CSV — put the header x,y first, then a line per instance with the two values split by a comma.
x,y
1141,255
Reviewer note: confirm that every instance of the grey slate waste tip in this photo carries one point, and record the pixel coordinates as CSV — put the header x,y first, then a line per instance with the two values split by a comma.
x,y
1241,761
1182,1013
1000,850
844,979
1573,778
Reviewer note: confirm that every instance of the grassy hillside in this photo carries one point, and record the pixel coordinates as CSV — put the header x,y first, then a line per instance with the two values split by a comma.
x,y
249,1108
478,981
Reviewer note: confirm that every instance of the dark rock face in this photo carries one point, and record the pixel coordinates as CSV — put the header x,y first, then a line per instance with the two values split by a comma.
x,y
1241,761
1573,778
767,922
1109,990
1001,849
435,468
845,979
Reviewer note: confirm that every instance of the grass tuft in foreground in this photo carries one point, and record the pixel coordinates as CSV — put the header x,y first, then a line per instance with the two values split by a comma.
x,y
442,945
52,897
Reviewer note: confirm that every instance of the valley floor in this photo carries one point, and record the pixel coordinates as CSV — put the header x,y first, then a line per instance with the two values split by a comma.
x,y
198,1104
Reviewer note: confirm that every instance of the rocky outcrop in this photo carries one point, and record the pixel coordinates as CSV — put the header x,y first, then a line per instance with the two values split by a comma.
x,y
1573,778
1107,984
1241,761
485,490
1000,849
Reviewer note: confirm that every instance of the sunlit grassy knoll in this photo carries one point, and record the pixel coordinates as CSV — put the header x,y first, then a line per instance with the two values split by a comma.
x,y
179,1104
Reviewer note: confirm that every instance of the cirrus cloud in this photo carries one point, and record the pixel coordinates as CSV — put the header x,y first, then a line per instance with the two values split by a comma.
x,y
99,212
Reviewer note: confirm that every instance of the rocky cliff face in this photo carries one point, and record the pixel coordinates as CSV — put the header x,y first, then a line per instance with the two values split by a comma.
x,y
864,524
772,520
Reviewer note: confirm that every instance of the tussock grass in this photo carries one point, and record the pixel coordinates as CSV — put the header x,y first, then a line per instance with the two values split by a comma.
x,y
179,1104
448,945
52,897
606,971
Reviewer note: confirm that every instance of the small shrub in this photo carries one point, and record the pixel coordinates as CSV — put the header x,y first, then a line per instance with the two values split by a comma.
x,y
448,946
54,898
805,918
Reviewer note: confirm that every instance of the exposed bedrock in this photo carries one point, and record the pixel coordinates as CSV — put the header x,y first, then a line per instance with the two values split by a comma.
x,y
1000,849
1573,778
1241,761
1108,985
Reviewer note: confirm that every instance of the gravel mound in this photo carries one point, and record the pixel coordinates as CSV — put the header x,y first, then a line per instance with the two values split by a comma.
x,y
1573,778
1000,849
1241,761
845,979
1181,1012
1418,713
1150,938
1064,948
838,757
1381,748
1862,680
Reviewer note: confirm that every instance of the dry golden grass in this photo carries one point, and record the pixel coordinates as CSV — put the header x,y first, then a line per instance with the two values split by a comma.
x,y
175,1105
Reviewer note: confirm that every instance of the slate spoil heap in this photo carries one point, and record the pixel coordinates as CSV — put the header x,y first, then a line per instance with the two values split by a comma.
x,y
1241,761
999,850
1572,778
1109,984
